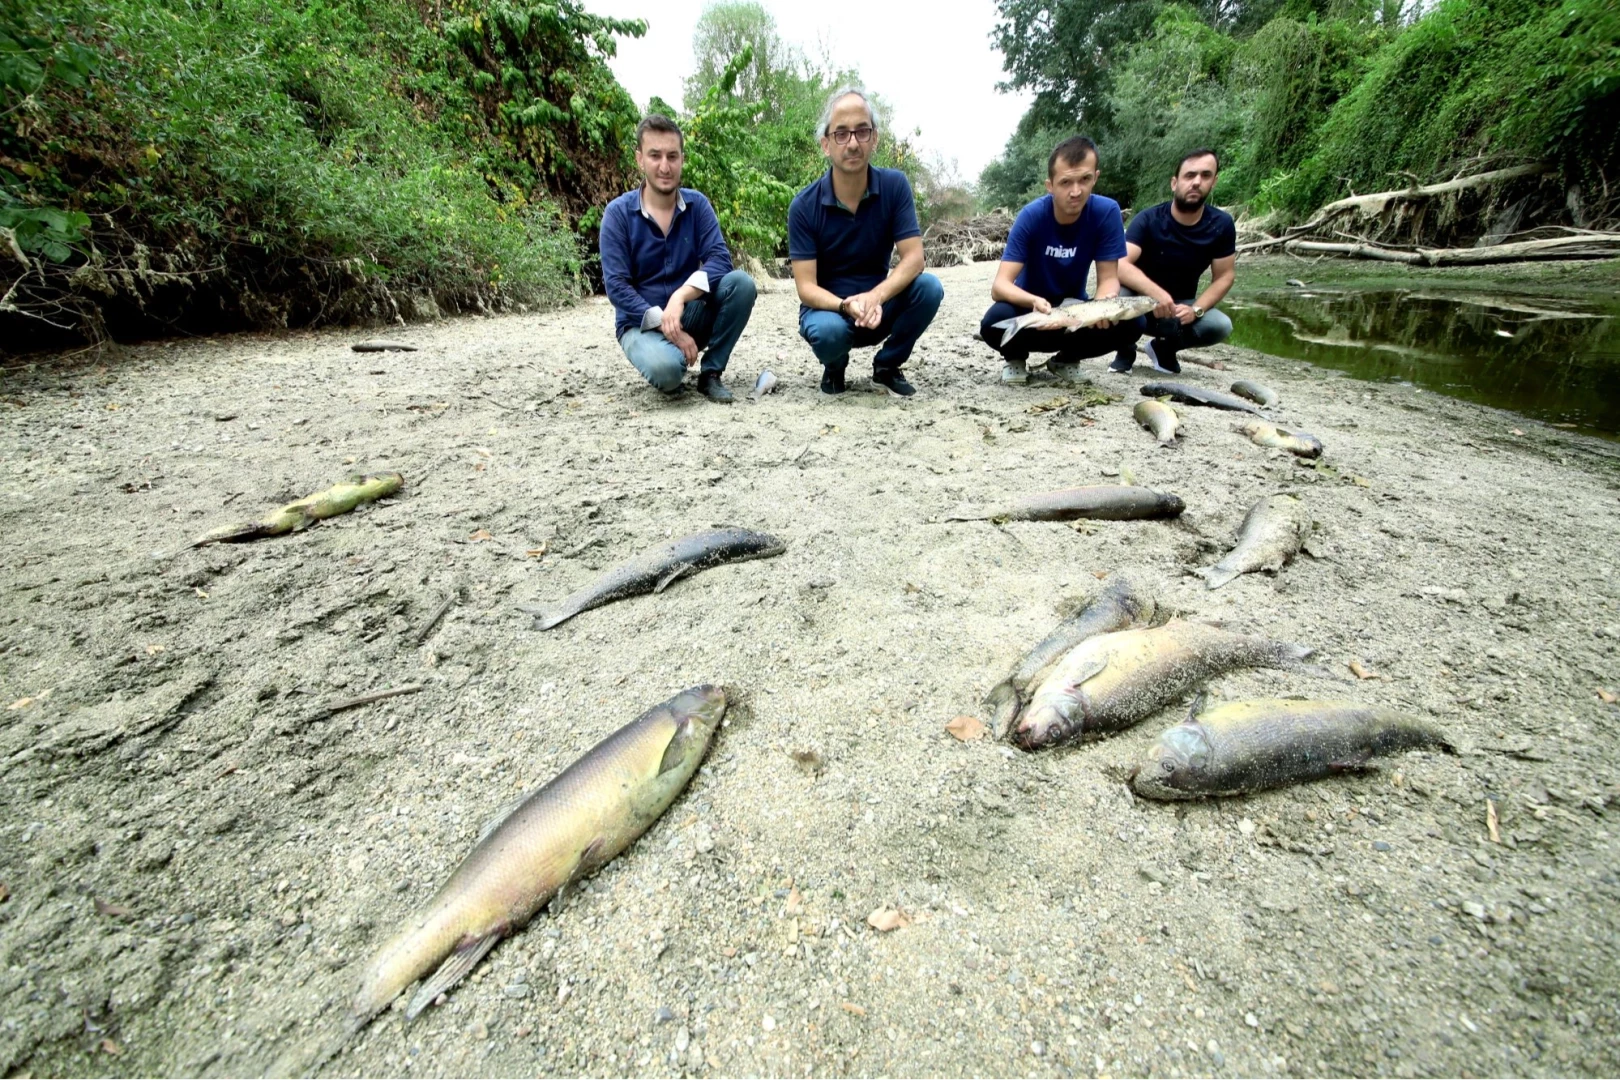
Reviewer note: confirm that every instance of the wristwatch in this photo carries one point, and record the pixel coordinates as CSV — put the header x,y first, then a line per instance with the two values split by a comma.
x,y
1198,312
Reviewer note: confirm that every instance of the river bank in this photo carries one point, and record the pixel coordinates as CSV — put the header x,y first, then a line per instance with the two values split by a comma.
x,y
194,868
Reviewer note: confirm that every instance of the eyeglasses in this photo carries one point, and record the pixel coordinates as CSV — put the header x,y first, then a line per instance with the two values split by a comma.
x,y
862,135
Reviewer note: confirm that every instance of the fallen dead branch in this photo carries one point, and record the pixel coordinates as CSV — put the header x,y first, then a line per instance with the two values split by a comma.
x,y
364,699
1585,246
975,239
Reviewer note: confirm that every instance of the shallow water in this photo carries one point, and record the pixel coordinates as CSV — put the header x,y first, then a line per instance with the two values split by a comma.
x,y
1547,357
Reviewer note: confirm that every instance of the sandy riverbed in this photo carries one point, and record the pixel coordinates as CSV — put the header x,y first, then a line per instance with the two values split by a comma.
x,y
193,870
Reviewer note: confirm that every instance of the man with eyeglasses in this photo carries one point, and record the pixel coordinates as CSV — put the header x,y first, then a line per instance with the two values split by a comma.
x,y
668,272
842,230
1053,242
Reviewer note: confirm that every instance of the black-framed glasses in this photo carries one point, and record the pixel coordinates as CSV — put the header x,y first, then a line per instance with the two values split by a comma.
x,y
862,135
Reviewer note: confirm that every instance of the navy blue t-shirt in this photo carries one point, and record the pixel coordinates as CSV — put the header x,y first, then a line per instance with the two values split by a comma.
x,y
1175,256
1057,258
852,251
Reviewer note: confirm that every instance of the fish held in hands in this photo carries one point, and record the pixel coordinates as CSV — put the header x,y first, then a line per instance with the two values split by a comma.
x,y
1074,314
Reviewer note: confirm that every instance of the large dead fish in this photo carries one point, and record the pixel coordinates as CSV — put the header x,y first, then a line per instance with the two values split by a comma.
x,y
1122,603
1198,395
1158,418
1259,393
1251,745
1073,314
1272,533
565,830
335,500
1109,682
652,571
1298,443
1101,502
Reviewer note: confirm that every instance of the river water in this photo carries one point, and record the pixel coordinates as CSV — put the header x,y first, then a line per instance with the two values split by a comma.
x,y
1546,357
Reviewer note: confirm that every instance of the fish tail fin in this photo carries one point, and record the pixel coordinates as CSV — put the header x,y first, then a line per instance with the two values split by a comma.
x,y
546,617
1002,705
1293,658
1215,576
456,967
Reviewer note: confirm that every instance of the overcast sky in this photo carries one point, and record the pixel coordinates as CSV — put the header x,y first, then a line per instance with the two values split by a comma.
x,y
935,66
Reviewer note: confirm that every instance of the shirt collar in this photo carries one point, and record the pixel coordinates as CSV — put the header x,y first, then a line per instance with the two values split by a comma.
x,y
680,203
830,198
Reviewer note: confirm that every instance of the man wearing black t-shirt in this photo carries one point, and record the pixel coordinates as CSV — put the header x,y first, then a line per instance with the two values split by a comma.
x,y
1167,249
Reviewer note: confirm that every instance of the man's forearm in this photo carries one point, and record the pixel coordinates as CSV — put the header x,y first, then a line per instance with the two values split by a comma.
x,y
812,295
1009,293
900,278
1132,278
1218,288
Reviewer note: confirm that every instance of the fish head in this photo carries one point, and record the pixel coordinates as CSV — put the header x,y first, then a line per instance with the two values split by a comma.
x,y
1174,762
697,714
1172,504
1042,724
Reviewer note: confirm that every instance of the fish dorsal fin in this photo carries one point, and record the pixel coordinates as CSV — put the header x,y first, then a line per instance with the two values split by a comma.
x,y
500,817
456,966
668,579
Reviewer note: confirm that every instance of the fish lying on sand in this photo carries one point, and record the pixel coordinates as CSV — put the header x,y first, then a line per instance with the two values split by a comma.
x,y
382,345
1122,603
1158,418
335,500
1198,395
1295,442
652,571
565,830
1260,394
1251,745
1273,532
1101,502
763,385
1073,314
1109,682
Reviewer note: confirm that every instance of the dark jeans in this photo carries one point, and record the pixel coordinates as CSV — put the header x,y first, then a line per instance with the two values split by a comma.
x,y
905,317
1078,344
715,322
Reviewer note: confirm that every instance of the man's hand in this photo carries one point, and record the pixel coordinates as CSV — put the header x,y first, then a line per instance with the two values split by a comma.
x,y
1043,306
865,309
1184,314
683,341
1166,308
671,324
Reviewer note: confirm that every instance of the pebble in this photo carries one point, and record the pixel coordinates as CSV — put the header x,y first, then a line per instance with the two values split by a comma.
x,y
1379,845
517,991
1037,1048
683,1039
1246,827
769,1023
664,1015
1252,1020
1474,908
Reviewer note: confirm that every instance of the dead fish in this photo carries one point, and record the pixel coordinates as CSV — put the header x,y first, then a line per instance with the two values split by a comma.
x,y
653,571
382,345
1109,682
1158,418
1122,603
1295,282
1272,533
335,500
1102,502
567,829
1252,745
1295,442
1073,314
1258,393
1197,395
763,385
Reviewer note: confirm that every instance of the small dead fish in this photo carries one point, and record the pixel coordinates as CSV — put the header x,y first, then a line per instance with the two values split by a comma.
x,y
1295,442
1158,418
1258,393
1102,502
763,385
1197,395
1074,314
1252,745
382,345
569,828
652,571
1295,282
1122,603
1272,533
1109,682
335,500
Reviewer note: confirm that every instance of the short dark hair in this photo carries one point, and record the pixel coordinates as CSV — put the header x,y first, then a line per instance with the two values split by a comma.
x,y
1071,151
1202,151
658,122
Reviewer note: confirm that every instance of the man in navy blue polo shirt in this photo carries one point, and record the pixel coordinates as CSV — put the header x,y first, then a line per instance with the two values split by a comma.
x,y
841,231
1053,242
1168,248
667,270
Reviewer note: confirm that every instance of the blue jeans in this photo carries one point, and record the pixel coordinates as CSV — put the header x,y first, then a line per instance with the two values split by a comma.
x,y
1078,344
1169,335
905,317
715,322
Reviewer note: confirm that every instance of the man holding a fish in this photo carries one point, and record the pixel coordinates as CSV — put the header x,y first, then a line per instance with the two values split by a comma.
x,y
1040,286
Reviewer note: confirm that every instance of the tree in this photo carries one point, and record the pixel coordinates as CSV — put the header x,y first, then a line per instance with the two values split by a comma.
x,y
723,31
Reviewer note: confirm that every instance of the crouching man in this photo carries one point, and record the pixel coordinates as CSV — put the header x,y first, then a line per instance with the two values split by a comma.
x,y
667,270
1168,248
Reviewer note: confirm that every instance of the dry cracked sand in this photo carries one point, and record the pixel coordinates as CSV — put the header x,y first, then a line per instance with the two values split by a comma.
x,y
194,865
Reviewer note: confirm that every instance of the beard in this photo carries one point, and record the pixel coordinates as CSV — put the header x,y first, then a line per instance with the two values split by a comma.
x,y
1188,205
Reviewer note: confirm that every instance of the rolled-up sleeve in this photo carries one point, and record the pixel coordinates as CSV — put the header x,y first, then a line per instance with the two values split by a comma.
x,y
614,244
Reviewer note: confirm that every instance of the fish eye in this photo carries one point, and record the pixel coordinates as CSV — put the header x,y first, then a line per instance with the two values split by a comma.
x,y
1168,766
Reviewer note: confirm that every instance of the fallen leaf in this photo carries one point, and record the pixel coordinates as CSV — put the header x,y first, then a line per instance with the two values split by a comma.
x,y
886,919
966,728
111,1048
1361,671
21,703
794,905
1361,481
535,553
1052,405
1606,697
852,1008
728,952
1492,825
200,593
1099,574
112,406
479,535
116,911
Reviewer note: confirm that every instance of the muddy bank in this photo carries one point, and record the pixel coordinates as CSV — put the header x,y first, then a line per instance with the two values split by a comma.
x,y
196,865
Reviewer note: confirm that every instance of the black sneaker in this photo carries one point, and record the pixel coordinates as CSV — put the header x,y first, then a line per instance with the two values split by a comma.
x,y
832,380
1124,361
710,386
1164,360
894,382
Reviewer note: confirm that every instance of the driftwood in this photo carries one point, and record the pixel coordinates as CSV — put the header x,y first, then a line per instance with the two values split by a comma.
x,y
975,239
1585,246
